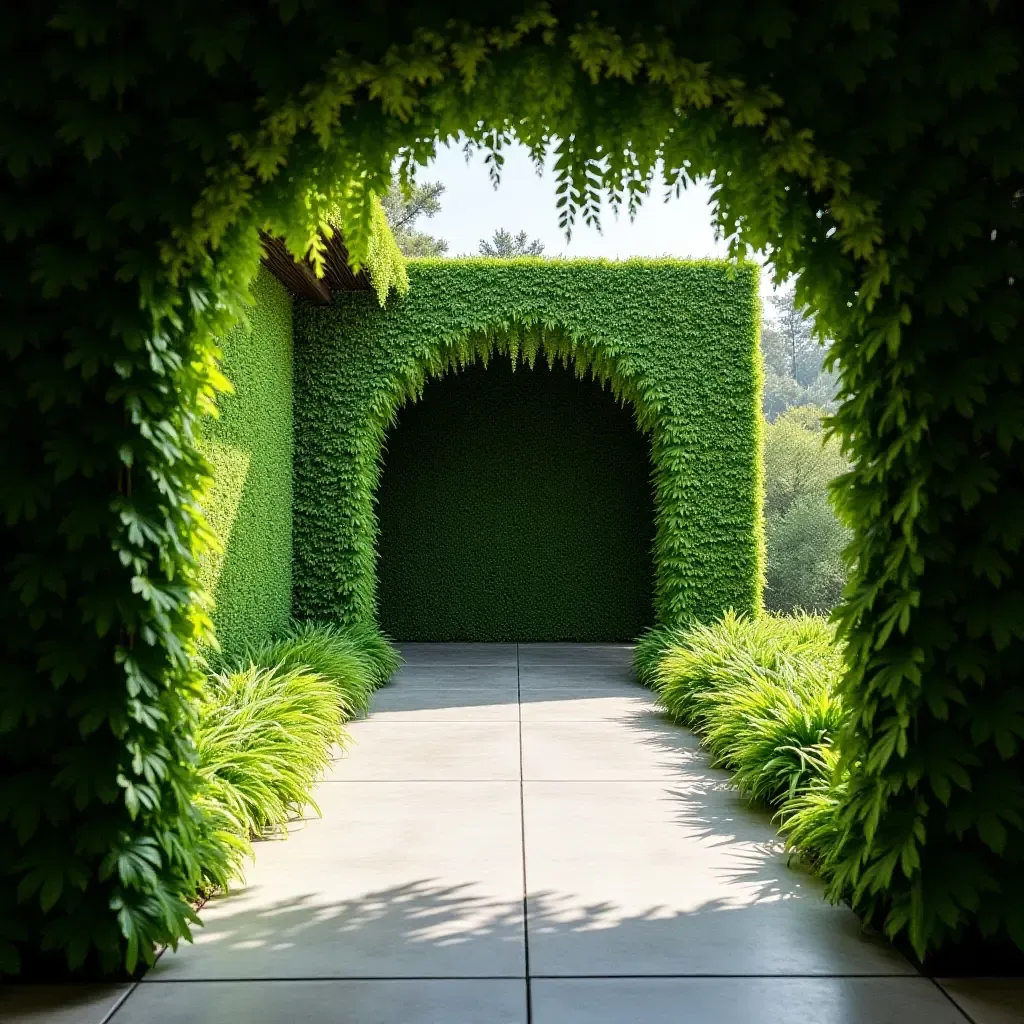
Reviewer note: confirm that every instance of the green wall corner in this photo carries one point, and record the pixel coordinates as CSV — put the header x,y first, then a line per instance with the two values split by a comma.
x,y
249,504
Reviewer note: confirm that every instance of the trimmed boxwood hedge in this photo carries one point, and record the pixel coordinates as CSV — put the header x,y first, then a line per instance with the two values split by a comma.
x,y
676,339
249,503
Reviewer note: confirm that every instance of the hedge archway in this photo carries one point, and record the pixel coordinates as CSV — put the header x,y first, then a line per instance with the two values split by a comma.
x,y
878,153
676,340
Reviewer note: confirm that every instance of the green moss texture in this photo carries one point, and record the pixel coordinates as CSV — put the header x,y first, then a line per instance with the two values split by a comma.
x,y
675,340
249,505
515,505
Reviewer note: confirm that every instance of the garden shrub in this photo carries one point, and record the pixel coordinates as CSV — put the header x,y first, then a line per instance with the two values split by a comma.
x,y
263,739
357,659
675,339
267,724
249,501
136,178
650,649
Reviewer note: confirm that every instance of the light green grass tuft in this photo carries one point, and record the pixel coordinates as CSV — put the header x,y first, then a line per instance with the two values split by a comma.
x,y
263,739
267,727
763,695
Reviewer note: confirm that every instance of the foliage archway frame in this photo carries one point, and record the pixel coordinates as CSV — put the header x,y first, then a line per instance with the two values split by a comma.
x,y
875,149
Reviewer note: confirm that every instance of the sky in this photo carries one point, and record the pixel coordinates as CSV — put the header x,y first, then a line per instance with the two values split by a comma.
x,y
472,209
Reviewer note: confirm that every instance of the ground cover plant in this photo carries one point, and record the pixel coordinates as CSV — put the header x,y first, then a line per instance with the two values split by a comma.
x,y
146,145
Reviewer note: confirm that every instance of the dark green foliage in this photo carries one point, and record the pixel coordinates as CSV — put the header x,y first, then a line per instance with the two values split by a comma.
x,y
249,504
515,505
677,340
879,152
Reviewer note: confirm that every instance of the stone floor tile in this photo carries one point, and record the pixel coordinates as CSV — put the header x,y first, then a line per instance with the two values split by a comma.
x,y
595,705
742,1001
415,750
647,749
328,1002
457,653
59,1004
397,879
988,1000
453,704
438,677
647,878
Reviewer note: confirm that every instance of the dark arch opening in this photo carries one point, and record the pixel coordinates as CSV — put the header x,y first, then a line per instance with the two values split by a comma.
x,y
516,505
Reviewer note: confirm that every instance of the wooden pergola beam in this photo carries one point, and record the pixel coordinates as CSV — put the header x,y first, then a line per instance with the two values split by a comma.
x,y
299,277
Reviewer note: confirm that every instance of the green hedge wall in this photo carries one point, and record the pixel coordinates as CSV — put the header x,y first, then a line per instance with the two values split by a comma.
x,y
249,502
678,340
516,505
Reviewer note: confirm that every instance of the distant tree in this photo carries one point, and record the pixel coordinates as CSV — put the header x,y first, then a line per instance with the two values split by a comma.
x,y
793,360
800,352
507,246
404,210
805,538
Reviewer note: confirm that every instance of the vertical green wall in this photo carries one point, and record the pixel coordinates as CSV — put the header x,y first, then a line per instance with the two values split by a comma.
x,y
250,445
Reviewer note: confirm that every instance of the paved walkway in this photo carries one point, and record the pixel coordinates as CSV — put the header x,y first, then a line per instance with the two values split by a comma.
x,y
517,836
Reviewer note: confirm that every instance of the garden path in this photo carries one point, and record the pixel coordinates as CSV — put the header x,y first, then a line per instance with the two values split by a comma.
x,y
517,835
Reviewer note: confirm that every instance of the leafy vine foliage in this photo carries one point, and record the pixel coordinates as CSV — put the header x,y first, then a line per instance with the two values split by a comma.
x,y
878,150
676,340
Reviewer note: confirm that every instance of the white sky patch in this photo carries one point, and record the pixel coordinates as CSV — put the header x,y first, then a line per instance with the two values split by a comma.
x,y
472,209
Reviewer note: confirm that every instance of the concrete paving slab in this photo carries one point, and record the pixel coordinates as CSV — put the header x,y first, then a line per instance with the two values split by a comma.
x,y
454,704
458,653
437,677
633,878
455,751
328,1002
743,1001
592,706
578,677
988,1000
60,1004
630,749
534,653
396,880
648,864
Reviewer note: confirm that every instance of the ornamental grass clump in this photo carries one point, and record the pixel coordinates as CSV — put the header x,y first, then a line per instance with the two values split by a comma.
x,y
357,659
762,694
267,729
264,738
